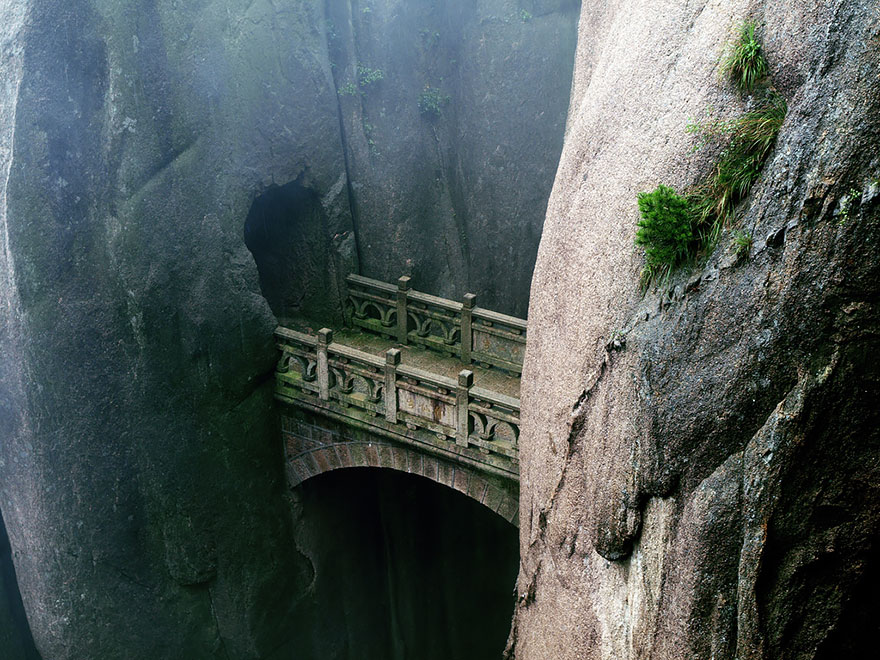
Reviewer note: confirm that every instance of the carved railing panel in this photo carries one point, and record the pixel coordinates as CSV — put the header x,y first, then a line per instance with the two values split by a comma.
x,y
457,329
440,414
434,323
297,368
357,379
495,422
372,305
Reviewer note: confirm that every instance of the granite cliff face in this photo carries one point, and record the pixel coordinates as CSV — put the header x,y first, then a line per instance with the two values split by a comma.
x,y
700,465
161,166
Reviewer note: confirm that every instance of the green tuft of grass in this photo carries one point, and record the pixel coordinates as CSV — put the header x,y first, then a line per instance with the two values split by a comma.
x,y
752,136
745,63
741,244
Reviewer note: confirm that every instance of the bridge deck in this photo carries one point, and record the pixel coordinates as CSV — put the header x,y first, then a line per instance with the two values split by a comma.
x,y
489,378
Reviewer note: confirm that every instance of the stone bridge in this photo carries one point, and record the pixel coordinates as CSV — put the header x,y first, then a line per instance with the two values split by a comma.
x,y
390,391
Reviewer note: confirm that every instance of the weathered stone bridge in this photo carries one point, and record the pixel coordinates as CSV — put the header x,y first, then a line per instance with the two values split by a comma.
x,y
356,400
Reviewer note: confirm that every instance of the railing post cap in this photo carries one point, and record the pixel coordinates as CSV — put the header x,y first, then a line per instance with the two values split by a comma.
x,y
470,300
392,356
325,335
403,283
465,378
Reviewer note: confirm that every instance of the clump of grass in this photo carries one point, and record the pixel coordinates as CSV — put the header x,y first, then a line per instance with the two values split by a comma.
x,y
741,244
752,136
664,231
676,229
745,63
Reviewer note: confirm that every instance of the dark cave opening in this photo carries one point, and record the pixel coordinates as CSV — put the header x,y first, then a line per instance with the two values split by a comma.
x,y
286,232
404,568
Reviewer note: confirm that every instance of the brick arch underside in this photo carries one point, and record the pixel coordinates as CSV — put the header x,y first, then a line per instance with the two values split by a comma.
x,y
378,454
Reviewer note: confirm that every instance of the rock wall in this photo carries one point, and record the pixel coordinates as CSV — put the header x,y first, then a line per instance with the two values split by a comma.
x,y
699,464
15,640
141,484
452,152
140,473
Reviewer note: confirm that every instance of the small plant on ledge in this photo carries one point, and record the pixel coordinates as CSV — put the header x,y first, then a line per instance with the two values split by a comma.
x,y
846,205
348,89
367,76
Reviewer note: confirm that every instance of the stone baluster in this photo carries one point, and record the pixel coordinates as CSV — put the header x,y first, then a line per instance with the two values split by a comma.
x,y
325,337
392,359
402,315
462,401
467,337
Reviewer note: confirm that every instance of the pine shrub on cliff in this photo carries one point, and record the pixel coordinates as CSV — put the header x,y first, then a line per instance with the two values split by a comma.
x,y
664,231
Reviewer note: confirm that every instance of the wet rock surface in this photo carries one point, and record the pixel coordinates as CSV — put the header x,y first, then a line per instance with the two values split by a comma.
x,y
453,115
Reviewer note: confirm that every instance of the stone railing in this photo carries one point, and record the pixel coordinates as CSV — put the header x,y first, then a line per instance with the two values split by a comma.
x,y
455,328
451,418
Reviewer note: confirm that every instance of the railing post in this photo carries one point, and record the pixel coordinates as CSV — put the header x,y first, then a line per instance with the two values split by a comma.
x,y
467,337
462,400
392,359
402,293
325,337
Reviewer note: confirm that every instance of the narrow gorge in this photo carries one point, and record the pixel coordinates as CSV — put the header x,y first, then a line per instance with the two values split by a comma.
x,y
267,386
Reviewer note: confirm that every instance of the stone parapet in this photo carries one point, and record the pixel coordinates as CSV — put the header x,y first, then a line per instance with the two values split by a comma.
x,y
449,419
459,329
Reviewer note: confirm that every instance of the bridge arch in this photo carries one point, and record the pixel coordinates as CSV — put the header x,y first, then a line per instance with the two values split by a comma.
x,y
311,461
